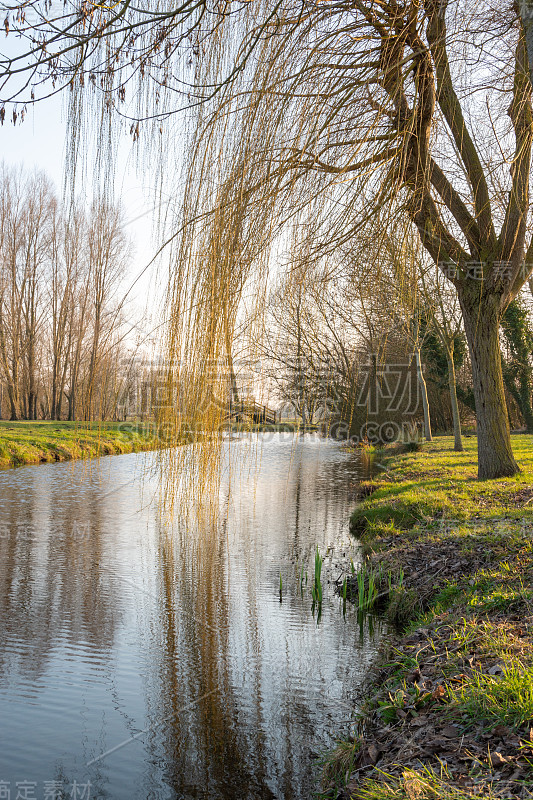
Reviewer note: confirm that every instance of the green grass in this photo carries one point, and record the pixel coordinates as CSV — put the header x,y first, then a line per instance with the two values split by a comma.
x,y
428,514
34,442
507,699
339,762
438,483
416,785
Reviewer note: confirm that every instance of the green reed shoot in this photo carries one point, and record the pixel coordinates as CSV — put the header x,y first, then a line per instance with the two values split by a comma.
x,y
368,583
316,591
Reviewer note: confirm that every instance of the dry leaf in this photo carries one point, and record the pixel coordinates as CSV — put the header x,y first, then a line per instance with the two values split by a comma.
x,y
497,760
439,693
414,788
450,731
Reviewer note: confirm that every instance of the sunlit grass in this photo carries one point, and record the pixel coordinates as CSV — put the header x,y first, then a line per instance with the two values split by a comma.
x,y
33,442
421,784
439,483
506,699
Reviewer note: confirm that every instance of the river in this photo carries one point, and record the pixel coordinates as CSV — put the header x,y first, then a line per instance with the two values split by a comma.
x,y
147,655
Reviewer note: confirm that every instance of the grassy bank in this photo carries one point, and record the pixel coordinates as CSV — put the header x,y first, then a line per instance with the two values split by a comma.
x,y
29,442
449,710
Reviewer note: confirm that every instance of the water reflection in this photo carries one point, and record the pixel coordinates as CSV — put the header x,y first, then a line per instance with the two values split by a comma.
x,y
164,641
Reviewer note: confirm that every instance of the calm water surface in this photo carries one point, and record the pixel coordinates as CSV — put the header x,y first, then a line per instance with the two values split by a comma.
x,y
147,657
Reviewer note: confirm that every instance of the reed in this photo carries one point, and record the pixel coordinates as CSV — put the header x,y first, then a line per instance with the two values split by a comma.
x,y
316,590
369,581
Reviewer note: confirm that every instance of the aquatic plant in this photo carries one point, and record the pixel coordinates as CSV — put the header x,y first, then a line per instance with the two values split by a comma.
x,y
316,590
368,583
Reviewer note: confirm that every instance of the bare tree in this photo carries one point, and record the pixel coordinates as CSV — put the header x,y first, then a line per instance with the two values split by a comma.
x,y
292,346
445,318
38,229
60,314
68,273
108,253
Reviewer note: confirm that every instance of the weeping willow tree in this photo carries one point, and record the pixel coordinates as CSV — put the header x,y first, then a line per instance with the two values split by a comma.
x,y
381,108
314,115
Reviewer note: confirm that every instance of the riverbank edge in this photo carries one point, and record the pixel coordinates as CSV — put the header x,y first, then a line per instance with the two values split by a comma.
x,y
25,443
448,710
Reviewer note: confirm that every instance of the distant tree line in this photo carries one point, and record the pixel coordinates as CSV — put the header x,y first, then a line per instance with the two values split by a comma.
x,y
61,323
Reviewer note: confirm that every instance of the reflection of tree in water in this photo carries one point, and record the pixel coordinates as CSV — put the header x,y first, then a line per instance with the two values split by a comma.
x,y
249,738
206,748
52,588
317,494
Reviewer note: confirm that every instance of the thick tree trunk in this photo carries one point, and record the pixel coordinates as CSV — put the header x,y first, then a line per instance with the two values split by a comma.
x,y
458,440
526,15
424,394
482,325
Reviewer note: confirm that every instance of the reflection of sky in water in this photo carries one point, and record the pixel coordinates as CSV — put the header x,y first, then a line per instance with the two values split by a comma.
x,y
111,623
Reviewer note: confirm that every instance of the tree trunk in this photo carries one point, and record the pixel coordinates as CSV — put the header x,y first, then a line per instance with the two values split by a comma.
x,y
458,440
526,15
424,393
55,366
32,390
482,318
525,407
71,406
12,406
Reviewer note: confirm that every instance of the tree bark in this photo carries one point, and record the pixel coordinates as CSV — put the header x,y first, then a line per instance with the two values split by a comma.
x,y
458,439
424,393
12,405
526,16
482,316
71,406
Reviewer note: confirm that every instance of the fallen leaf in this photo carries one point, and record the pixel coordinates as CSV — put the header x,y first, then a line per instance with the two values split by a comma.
x,y
459,678
501,730
497,760
450,731
438,693
373,753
